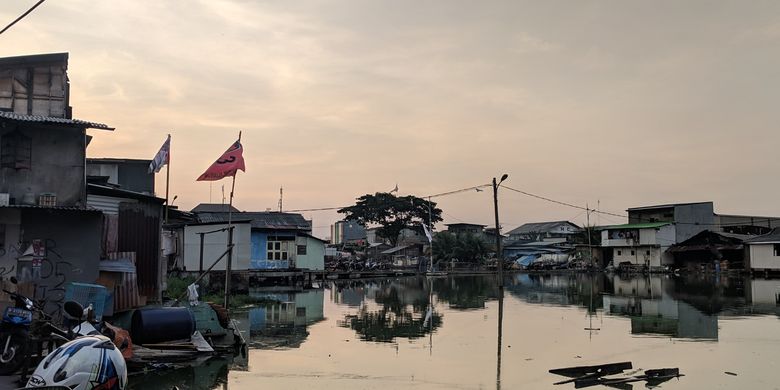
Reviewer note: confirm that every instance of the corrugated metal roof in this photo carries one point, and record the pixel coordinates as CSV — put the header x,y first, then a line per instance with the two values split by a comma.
x,y
32,206
539,227
665,206
214,208
772,237
262,220
648,225
48,119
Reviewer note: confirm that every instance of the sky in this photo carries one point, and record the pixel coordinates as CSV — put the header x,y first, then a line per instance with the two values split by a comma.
x,y
613,104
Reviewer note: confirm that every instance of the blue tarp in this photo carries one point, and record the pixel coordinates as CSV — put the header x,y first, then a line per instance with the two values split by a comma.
x,y
526,260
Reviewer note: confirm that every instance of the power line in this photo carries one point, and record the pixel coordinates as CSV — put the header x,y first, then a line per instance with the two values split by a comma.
x,y
623,215
22,16
472,188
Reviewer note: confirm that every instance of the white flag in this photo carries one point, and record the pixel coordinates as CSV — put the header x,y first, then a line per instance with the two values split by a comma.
x,y
427,232
162,157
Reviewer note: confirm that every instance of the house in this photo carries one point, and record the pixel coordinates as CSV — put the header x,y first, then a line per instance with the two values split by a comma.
x,y
763,252
131,230
710,250
640,244
277,240
48,236
558,231
128,174
693,218
465,228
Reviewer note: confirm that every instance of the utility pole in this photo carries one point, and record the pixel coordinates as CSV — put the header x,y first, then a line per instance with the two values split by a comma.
x,y
499,257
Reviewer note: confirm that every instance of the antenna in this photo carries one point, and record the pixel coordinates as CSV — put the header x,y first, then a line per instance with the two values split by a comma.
x,y
281,196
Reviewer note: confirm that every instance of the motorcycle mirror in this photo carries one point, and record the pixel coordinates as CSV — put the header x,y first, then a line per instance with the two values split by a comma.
x,y
74,309
13,280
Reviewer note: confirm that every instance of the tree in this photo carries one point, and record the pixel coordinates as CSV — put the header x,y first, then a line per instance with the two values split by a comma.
x,y
463,247
392,213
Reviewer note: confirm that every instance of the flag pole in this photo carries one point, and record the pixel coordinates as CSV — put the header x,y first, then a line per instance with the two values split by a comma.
x,y
229,267
167,179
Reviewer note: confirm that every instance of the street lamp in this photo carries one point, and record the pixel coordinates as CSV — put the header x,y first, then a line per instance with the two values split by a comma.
x,y
499,256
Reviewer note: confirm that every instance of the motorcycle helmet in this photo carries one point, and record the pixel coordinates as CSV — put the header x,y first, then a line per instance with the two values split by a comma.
x,y
86,363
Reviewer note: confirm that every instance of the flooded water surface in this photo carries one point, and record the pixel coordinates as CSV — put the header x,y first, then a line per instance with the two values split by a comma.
x,y
445,333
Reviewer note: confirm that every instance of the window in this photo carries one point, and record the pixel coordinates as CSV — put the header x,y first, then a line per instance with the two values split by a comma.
x,y
302,250
632,253
276,251
647,253
300,312
619,253
777,249
16,151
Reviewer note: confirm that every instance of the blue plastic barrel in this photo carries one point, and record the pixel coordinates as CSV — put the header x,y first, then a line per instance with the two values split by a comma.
x,y
160,324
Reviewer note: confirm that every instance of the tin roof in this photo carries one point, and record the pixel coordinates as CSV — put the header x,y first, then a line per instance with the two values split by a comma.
x,y
769,238
65,208
52,120
649,225
261,220
539,227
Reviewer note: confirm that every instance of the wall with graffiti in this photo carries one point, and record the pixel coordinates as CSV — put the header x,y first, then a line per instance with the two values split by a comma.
x,y
49,248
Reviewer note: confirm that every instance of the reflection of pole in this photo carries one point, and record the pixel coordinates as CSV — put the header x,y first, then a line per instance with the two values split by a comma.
x,y
500,334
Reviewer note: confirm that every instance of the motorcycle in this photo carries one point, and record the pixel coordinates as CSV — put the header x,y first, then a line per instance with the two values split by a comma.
x,y
22,325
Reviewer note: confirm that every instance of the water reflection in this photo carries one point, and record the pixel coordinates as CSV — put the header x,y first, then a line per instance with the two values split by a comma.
x,y
282,321
206,373
631,316
400,308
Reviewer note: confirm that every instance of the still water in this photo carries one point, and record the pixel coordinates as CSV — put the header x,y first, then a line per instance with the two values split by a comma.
x,y
443,333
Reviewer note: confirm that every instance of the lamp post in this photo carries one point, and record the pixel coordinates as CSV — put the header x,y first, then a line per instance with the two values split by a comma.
x,y
499,256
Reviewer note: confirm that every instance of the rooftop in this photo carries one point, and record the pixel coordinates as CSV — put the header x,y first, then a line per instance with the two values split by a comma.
x,y
261,220
648,225
665,206
214,208
52,120
538,227
34,59
771,237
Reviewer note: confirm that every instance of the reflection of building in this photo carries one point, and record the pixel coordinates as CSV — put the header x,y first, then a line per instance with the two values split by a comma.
x,y
763,295
283,321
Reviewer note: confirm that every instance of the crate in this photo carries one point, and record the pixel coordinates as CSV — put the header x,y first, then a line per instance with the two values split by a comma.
x,y
87,294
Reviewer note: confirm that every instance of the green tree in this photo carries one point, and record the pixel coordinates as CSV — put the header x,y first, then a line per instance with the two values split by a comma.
x,y
463,247
392,213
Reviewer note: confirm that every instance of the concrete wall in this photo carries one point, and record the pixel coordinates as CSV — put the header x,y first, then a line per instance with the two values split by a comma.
x,y
132,175
214,245
688,215
642,255
314,259
58,166
72,251
762,256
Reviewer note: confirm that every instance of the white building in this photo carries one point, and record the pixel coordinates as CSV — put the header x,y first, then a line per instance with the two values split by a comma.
x,y
639,243
763,252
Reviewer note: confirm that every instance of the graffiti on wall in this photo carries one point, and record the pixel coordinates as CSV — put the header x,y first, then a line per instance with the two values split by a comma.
x,y
41,271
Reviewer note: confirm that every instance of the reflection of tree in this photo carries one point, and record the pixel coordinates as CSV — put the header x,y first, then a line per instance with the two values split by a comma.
x,y
466,292
385,325
404,304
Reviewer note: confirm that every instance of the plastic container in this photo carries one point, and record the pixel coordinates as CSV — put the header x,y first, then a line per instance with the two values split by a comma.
x,y
160,324
88,294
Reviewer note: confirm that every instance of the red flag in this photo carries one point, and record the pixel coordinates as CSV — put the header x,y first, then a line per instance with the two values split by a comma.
x,y
227,165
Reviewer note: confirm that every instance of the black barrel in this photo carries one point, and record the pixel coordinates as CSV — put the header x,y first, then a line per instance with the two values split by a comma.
x,y
160,324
